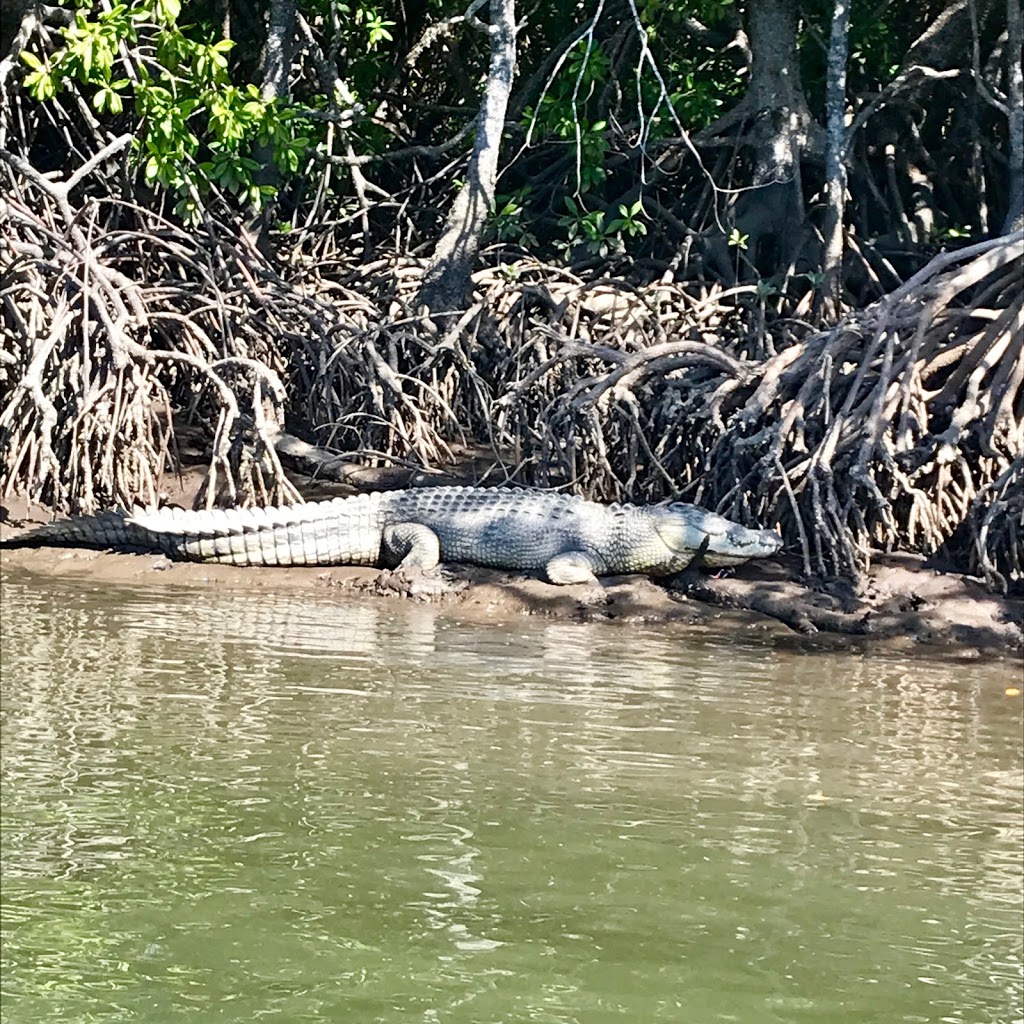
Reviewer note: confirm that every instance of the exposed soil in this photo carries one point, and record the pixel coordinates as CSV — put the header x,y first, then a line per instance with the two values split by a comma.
x,y
903,602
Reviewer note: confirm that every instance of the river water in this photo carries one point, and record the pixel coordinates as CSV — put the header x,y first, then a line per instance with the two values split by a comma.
x,y
242,807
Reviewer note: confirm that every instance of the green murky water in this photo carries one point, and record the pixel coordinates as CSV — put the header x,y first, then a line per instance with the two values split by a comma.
x,y
263,807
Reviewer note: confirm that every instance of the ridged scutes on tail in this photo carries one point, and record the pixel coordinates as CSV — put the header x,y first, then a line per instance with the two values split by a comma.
x,y
333,532
218,522
110,529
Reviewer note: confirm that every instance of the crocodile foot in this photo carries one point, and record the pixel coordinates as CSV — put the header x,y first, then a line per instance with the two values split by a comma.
x,y
419,584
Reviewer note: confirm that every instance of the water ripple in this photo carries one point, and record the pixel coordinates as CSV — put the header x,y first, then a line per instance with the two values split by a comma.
x,y
300,809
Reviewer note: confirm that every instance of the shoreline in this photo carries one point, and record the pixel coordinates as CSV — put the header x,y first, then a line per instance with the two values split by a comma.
x,y
902,604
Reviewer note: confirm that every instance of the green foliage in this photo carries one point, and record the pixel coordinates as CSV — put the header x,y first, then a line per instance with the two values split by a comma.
x,y
562,116
627,222
197,129
701,79
586,68
362,35
509,221
737,240
593,147
376,26
590,231
607,113
367,20
40,82
597,103
879,39
952,234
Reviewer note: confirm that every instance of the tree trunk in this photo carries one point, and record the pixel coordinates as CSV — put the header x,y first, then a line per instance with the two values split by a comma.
x,y
835,156
275,64
446,283
775,95
275,60
1015,101
777,125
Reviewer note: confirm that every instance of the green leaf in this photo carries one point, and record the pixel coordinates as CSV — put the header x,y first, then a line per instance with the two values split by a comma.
x,y
41,85
737,240
31,59
167,11
189,212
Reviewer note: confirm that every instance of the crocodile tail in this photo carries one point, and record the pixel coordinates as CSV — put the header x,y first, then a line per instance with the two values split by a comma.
x,y
103,530
335,532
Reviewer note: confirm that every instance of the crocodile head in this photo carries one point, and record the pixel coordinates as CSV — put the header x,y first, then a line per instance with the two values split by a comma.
x,y
685,528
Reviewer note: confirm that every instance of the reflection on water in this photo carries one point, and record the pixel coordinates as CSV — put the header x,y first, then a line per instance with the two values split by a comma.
x,y
231,807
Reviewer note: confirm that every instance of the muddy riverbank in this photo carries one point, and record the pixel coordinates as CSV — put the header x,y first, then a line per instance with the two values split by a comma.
x,y
903,602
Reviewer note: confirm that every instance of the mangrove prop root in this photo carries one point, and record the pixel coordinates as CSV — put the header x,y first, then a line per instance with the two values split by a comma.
x,y
110,332
900,427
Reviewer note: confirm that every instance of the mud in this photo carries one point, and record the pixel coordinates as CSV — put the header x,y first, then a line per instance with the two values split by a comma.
x,y
902,603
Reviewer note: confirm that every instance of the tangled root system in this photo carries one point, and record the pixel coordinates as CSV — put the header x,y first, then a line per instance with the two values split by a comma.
x,y
901,427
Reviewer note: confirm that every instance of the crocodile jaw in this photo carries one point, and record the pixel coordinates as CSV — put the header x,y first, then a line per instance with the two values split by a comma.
x,y
684,528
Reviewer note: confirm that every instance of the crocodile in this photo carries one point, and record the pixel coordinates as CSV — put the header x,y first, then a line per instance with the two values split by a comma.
x,y
569,539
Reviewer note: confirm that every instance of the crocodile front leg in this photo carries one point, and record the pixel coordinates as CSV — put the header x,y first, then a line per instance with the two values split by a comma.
x,y
572,567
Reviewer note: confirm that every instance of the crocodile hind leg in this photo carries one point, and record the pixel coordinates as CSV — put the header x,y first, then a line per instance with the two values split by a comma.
x,y
417,550
415,547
